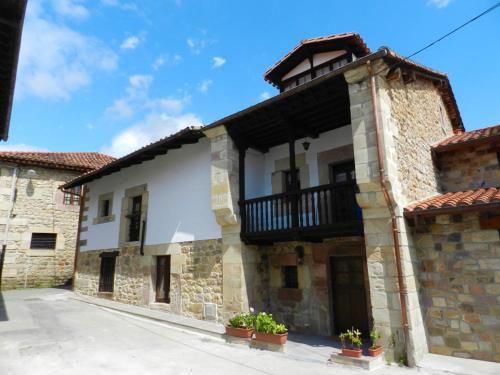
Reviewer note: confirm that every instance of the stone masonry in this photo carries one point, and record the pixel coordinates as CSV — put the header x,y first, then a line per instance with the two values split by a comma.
x,y
195,278
460,285
38,208
470,168
404,112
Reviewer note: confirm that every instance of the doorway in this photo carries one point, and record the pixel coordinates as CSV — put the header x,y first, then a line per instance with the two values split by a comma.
x,y
348,295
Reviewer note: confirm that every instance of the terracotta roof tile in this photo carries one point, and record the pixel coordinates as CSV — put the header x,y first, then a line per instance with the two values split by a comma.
x,y
489,134
77,161
461,199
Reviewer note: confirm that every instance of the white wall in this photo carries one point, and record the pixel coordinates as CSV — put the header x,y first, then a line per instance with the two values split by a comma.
x,y
259,167
179,203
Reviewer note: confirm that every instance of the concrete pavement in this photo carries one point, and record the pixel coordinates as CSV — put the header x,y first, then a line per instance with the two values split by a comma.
x,y
44,331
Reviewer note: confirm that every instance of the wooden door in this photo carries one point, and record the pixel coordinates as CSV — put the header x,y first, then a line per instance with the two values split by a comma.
x,y
348,294
107,274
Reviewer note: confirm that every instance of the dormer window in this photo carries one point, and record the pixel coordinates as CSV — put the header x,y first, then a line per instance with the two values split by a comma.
x,y
314,58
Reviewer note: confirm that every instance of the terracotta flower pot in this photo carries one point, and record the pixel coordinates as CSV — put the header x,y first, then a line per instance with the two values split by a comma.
x,y
277,339
245,333
375,351
354,353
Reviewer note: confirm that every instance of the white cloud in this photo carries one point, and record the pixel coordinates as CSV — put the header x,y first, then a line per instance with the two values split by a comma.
x,y
153,127
21,147
139,86
123,5
197,45
130,43
218,61
265,95
159,62
55,60
70,8
120,108
170,60
439,3
204,85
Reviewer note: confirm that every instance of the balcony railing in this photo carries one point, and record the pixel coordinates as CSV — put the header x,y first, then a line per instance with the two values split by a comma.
x,y
322,211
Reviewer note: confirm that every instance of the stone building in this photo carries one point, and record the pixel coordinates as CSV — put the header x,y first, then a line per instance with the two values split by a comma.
x,y
302,206
38,221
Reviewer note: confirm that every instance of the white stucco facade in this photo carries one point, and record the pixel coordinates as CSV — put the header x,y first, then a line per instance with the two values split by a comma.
x,y
178,186
259,167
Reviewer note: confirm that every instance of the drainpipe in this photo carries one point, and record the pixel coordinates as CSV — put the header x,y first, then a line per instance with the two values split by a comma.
x,y
77,247
394,224
7,217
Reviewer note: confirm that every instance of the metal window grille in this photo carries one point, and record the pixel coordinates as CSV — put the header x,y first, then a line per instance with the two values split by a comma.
x,y
43,240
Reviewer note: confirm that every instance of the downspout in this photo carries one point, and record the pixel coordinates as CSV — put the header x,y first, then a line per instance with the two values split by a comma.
x,y
7,218
395,228
77,248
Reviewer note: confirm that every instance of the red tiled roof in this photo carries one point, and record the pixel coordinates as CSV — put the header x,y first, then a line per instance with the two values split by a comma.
x,y
352,38
76,161
489,134
470,199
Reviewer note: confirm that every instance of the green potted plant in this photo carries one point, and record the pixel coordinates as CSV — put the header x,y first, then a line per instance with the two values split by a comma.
x,y
241,325
353,348
268,330
375,350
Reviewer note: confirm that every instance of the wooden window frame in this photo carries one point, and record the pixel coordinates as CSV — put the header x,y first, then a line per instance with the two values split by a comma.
x,y
166,279
39,243
72,196
134,217
290,277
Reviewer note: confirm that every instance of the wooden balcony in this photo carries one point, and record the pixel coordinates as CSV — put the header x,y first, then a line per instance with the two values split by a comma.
x,y
310,214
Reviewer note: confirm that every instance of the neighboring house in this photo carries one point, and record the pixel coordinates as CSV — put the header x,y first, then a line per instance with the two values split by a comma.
x,y
296,206
38,221
11,27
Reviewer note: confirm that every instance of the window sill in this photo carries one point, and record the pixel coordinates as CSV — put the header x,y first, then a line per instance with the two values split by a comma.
x,y
103,219
41,252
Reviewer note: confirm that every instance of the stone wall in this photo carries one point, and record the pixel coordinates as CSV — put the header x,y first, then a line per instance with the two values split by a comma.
x,y
419,120
460,285
306,309
469,168
195,277
38,208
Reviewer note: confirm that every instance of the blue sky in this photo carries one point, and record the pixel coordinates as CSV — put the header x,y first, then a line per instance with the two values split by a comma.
x,y
113,75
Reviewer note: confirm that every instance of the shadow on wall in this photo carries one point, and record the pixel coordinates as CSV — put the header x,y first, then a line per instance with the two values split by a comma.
x,y
3,310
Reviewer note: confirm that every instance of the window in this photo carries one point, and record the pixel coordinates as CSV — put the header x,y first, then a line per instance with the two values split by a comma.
x,y
43,240
134,217
107,275
72,196
104,210
342,173
290,277
163,279
287,180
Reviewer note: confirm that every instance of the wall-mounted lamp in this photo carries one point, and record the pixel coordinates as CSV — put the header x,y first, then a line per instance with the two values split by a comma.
x,y
306,144
31,174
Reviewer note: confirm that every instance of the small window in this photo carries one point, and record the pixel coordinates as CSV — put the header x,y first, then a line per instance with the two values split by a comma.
x,y
163,279
105,208
72,196
43,240
290,277
135,219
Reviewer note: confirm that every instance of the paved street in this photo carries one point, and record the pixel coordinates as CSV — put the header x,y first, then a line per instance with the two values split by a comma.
x,y
44,331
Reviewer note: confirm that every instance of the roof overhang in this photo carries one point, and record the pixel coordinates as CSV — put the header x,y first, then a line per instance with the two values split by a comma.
x,y
11,26
175,141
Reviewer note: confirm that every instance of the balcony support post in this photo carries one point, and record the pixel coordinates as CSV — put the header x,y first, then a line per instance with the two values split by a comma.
x,y
294,194
241,177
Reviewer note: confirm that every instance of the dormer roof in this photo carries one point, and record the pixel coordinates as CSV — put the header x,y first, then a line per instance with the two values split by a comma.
x,y
350,42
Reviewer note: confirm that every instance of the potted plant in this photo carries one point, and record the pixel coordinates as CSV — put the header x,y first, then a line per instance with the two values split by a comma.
x,y
375,350
241,325
353,349
268,330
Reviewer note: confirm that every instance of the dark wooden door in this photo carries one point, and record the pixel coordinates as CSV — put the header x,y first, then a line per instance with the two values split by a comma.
x,y
348,294
163,279
107,275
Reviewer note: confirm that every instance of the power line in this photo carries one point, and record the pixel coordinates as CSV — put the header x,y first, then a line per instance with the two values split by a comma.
x,y
443,37
456,29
